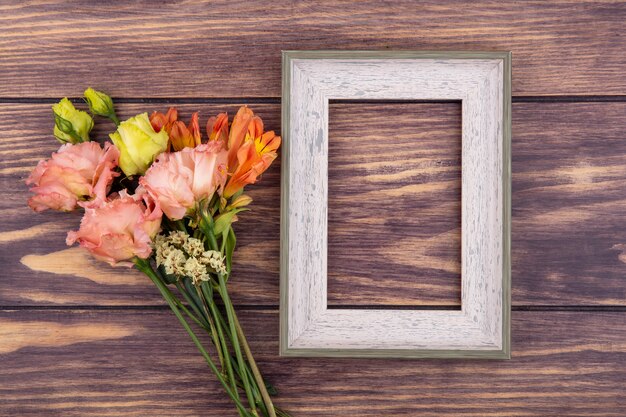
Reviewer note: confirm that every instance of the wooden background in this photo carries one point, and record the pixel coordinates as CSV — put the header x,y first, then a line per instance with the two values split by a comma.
x,y
81,339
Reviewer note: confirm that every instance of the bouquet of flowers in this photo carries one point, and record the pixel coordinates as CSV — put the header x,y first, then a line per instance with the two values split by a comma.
x,y
160,198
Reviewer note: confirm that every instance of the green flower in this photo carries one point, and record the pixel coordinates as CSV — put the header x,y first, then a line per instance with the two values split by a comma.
x,y
71,125
138,143
100,104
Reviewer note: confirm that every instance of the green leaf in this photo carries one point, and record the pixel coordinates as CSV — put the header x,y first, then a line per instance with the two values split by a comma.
x,y
207,227
191,292
65,126
223,221
207,289
231,241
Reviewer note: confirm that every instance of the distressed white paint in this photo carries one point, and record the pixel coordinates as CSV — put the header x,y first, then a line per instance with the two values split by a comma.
x,y
308,327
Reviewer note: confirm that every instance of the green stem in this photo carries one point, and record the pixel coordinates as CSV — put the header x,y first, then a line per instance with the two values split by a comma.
x,y
114,118
255,370
248,371
193,305
181,226
233,330
223,244
207,229
214,334
144,266
210,306
220,323
212,241
182,306
190,315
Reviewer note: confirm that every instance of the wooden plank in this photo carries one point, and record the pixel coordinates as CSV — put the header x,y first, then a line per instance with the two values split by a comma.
x,y
394,212
232,48
569,183
122,363
569,200
34,244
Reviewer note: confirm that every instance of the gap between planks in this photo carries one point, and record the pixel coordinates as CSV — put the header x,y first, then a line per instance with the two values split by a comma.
x,y
277,100
249,307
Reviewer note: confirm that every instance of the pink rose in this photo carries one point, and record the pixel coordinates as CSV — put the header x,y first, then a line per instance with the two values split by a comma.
x,y
74,173
120,229
179,180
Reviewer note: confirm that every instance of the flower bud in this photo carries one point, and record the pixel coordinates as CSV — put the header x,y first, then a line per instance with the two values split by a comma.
x,y
223,203
63,125
241,201
223,222
71,125
100,104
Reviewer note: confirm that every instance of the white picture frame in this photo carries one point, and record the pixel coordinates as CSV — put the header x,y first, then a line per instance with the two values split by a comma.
x,y
482,82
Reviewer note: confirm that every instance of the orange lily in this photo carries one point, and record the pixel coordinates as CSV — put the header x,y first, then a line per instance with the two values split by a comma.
x,y
253,158
217,127
161,121
237,136
250,151
180,136
245,125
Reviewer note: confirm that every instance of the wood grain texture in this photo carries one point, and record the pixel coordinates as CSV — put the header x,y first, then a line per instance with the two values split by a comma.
x,y
569,233
569,200
232,48
142,363
394,204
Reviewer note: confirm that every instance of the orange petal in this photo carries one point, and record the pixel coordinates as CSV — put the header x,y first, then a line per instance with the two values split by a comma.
x,y
171,115
238,131
180,137
194,128
255,128
217,127
158,121
268,142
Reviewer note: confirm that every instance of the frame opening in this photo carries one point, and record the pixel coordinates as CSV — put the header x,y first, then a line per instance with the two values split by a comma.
x,y
394,204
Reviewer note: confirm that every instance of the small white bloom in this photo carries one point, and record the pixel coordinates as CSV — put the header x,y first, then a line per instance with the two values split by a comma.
x,y
178,238
214,260
161,248
195,270
183,255
175,262
194,247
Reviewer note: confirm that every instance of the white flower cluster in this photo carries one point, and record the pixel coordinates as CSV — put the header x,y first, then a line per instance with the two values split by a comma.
x,y
183,255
